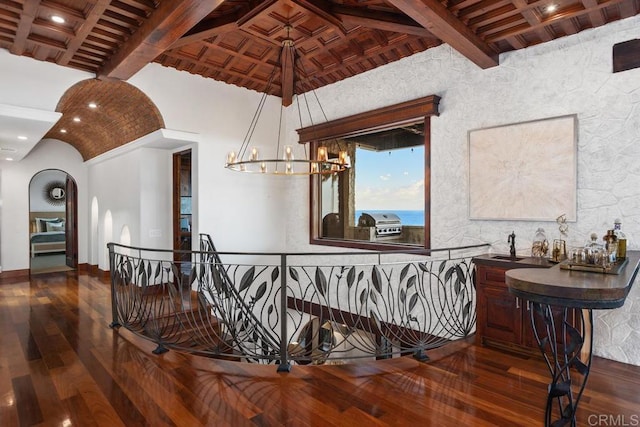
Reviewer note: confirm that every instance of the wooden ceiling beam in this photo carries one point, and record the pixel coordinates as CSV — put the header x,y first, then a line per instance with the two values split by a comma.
x,y
258,83
12,6
494,34
322,10
287,61
83,31
265,61
50,26
263,7
436,18
490,17
130,10
573,11
516,42
168,23
533,18
27,16
596,16
380,21
47,42
480,8
61,8
207,29
321,74
248,19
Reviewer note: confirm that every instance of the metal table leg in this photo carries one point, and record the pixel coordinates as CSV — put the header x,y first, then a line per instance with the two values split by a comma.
x,y
563,354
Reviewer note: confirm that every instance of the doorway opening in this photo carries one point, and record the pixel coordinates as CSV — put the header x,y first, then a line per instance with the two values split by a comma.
x,y
182,202
53,225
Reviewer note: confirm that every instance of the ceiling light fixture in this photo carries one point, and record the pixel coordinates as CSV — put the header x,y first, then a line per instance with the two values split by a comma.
x,y
58,19
93,105
552,8
22,138
245,160
9,159
76,119
63,131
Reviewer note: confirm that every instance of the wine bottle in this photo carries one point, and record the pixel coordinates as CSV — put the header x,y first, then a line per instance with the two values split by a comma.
x,y
622,238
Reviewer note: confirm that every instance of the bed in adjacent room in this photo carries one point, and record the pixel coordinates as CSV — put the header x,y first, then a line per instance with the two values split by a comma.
x,y
47,232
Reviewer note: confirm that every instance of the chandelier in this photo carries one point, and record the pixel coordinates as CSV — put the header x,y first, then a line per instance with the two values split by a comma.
x,y
248,160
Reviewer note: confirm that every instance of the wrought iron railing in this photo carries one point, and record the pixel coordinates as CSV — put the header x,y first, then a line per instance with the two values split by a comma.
x,y
294,308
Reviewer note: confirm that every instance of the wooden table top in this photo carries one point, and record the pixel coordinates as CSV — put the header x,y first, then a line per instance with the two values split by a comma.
x,y
577,289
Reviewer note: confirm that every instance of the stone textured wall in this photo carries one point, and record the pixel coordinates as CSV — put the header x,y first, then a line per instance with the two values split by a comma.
x,y
572,75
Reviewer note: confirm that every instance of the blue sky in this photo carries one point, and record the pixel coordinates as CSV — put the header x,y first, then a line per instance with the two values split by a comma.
x,y
390,179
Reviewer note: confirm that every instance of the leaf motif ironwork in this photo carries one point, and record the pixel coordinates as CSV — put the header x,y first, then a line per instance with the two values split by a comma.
x,y
262,289
413,301
294,274
411,281
321,282
351,277
247,279
376,279
404,272
239,308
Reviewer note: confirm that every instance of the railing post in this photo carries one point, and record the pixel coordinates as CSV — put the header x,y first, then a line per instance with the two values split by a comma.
x,y
115,323
284,365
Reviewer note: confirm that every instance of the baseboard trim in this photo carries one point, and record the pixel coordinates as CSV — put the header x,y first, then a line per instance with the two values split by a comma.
x,y
103,275
93,269
14,275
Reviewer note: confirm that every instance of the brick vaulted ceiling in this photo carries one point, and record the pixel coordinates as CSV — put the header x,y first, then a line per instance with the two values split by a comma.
x,y
239,42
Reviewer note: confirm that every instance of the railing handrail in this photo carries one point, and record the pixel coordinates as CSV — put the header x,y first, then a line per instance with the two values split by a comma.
x,y
424,252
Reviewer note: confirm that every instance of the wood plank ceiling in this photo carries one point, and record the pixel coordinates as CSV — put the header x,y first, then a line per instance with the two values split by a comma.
x,y
239,41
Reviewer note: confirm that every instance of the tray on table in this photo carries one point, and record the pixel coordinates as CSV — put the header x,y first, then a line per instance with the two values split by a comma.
x,y
613,268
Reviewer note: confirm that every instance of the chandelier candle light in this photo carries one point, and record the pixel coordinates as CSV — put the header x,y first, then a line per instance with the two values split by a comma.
x,y
287,164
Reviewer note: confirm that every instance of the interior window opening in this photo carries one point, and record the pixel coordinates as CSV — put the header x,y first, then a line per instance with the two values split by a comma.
x,y
381,198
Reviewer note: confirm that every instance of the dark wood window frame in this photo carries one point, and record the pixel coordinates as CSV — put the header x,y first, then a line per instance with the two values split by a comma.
x,y
367,122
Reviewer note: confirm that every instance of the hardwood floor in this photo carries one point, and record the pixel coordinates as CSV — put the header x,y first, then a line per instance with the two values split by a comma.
x,y
61,365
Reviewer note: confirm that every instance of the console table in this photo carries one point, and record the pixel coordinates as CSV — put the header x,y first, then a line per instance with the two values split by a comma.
x,y
565,348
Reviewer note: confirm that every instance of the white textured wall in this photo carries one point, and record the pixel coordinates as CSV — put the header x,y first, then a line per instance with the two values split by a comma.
x,y
242,212
135,188
35,84
571,75
156,198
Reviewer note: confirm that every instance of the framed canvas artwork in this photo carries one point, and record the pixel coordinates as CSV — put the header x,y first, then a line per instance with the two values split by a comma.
x,y
524,171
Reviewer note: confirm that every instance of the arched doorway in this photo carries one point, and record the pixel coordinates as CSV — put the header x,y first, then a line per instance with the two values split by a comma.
x,y
53,224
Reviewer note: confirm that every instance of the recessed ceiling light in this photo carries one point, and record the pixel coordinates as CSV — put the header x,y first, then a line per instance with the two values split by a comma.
x,y
57,19
76,119
93,105
22,138
552,8
9,159
63,131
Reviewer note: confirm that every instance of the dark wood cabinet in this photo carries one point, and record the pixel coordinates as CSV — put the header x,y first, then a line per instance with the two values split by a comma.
x,y
500,315
504,320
